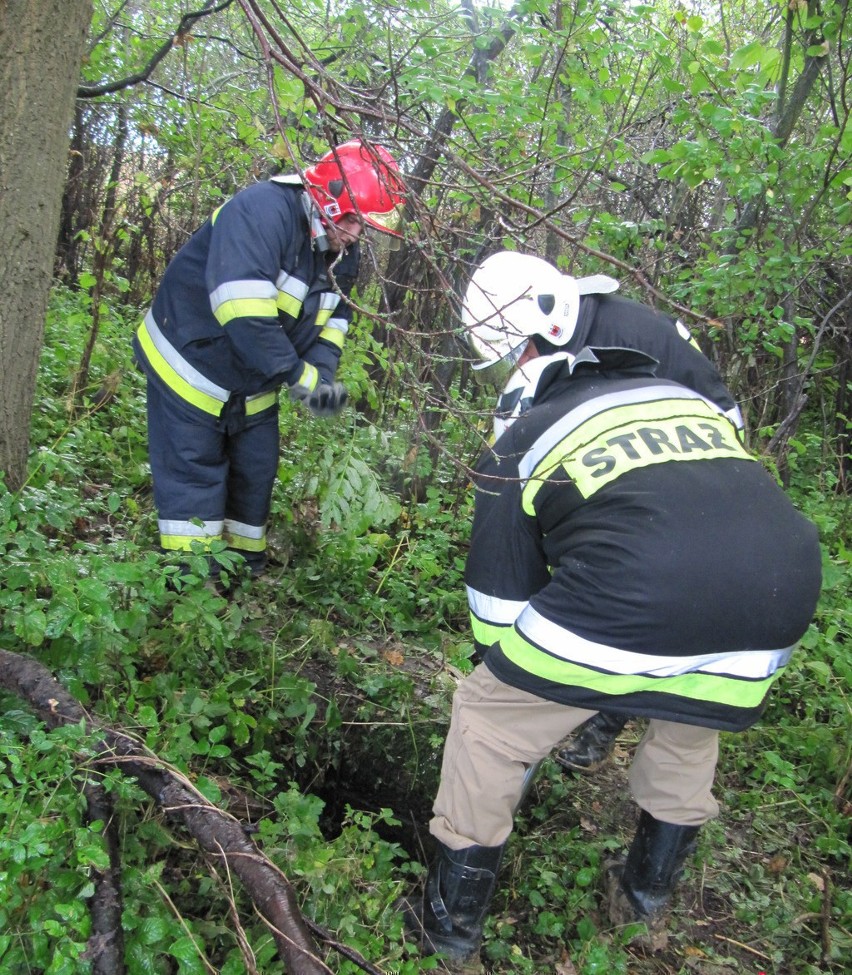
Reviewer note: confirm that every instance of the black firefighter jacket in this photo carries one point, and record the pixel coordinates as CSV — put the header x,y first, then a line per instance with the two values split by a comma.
x,y
628,554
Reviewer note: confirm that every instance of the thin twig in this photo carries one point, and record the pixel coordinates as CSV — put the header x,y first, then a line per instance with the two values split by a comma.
x,y
739,944
183,924
249,959
825,917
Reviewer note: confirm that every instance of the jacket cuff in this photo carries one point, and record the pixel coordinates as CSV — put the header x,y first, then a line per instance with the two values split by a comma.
x,y
305,375
325,357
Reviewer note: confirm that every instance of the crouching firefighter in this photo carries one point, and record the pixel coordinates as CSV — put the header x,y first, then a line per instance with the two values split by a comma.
x,y
590,313
255,300
627,556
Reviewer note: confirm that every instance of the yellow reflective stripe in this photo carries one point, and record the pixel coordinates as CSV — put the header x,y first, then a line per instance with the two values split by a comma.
x,y
288,304
184,543
243,544
246,308
180,535
333,335
216,213
687,336
256,404
245,538
329,300
487,634
291,293
693,686
631,437
172,379
309,378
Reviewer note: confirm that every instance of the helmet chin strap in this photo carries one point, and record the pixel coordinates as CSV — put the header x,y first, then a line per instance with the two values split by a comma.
x,y
319,234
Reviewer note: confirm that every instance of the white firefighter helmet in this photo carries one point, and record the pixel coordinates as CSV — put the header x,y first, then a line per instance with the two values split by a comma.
x,y
512,297
519,392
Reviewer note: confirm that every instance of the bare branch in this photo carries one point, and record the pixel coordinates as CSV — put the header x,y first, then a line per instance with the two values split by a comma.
x,y
185,25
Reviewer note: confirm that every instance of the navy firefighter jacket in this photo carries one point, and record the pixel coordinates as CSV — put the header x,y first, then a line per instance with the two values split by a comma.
x,y
628,554
249,304
613,321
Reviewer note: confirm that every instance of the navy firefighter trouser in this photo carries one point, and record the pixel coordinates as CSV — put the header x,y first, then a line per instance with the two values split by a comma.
x,y
213,476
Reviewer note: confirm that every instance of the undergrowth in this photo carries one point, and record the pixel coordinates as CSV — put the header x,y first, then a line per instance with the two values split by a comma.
x,y
313,704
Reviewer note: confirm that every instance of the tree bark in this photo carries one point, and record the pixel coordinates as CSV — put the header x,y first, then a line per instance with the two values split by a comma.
x,y
42,43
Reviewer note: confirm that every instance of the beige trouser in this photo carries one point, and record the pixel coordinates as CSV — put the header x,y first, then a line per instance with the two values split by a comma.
x,y
498,732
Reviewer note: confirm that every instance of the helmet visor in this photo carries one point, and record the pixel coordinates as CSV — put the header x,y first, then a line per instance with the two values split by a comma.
x,y
389,222
496,372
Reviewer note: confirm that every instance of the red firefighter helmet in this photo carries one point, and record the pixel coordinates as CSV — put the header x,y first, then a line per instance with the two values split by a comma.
x,y
360,179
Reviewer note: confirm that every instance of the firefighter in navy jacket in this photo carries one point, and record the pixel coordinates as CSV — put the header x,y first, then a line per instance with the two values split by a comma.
x,y
645,563
255,300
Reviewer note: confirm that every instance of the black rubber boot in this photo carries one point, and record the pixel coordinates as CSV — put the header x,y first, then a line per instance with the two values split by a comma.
x,y
594,744
450,916
641,888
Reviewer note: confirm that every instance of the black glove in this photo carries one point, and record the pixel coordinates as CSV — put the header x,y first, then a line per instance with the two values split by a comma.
x,y
328,399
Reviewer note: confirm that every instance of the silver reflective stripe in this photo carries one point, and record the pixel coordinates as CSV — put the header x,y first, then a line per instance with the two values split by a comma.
x,y
593,407
244,530
562,643
185,370
289,179
254,396
492,609
240,290
338,323
190,528
290,285
735,415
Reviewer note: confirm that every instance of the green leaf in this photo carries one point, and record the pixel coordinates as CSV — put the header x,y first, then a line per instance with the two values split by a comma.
x,y
152,930
147,717
748,55
186,952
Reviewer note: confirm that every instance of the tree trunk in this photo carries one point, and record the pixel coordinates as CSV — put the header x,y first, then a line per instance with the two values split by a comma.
x,y
42,44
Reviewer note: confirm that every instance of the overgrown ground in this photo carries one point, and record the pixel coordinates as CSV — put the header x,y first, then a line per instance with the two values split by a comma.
x,y
313,704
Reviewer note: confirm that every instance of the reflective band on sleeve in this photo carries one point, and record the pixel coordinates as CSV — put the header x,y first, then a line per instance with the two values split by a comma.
x,y
332,335
246,308
244,299
309,378
291,294
178,374
329,300
339,323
